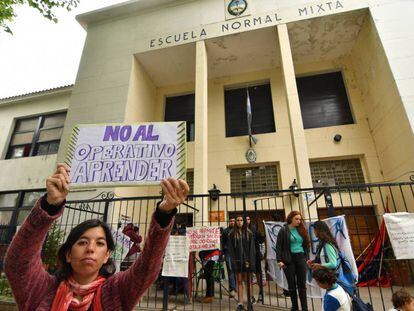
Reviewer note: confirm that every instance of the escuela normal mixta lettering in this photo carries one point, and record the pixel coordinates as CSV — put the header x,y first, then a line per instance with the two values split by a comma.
x,y
128,159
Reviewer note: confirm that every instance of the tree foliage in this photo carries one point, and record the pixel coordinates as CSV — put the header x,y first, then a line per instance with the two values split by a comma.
x,y
46,8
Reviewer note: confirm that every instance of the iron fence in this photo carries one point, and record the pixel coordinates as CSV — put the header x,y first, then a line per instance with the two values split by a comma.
x,y
363,206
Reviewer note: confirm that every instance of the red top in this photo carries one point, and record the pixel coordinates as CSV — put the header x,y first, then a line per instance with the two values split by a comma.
x,y
35,289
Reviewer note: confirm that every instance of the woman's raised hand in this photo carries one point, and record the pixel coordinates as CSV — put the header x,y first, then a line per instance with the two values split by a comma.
x,y
57,185
175,192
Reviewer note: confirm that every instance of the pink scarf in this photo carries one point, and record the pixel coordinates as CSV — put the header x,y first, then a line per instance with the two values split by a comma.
x,y
91,293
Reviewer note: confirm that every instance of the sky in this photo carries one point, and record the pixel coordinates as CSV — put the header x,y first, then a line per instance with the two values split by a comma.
x,y
41,54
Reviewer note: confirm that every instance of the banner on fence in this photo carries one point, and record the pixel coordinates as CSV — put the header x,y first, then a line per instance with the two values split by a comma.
x,y
176,257
203,238
102,155
339,230
122,245
400,227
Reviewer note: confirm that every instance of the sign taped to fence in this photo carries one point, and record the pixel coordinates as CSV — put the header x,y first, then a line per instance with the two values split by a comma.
x,y
176,257
107,155
400,227
203,238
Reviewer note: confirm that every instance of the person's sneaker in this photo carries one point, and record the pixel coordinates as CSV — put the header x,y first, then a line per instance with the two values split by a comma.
x,y
240,307
232,293
260,299
253,300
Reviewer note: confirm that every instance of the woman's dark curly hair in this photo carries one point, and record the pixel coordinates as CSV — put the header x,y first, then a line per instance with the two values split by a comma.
x,y
324,276
65,268
324,234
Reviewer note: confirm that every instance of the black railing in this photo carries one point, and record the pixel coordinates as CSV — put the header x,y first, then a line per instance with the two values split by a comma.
x,y
363,205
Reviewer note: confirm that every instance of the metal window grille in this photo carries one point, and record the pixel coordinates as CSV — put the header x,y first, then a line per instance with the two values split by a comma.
x,y
337,172
259,178
190,181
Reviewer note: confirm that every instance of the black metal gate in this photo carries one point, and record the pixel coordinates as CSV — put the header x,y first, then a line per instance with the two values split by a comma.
x,y
363,205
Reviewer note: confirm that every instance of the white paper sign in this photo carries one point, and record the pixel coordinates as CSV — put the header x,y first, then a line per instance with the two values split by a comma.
x,y
203,238
176,257
400,227
126,154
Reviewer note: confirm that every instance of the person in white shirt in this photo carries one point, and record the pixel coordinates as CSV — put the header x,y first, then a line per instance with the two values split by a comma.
x,y
335,299
403,301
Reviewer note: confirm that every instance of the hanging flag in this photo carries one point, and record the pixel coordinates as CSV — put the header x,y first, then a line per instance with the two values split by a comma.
x,y
249,120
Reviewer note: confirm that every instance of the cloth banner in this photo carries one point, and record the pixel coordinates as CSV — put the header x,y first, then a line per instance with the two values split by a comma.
x,y
339,230
176,257
400,227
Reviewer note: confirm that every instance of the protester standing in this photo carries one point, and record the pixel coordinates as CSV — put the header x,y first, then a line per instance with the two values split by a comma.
x,y
292,252
243,256
224,243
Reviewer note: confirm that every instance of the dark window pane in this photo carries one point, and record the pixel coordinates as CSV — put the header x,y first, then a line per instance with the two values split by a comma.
x,y
22,139
181,108
31,197
236,110
19,152
323,100
5,217
52,134
54,120
26,124
51,147
8,199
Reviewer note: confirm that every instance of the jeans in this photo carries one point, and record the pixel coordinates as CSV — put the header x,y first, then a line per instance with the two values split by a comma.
x,y
230,272
295,273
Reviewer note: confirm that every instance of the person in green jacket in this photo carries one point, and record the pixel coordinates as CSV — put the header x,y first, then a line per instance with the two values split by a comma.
x,y
327,253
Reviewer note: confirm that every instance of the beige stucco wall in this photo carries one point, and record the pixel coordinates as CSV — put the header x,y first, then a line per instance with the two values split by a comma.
x,y
27,173
386,116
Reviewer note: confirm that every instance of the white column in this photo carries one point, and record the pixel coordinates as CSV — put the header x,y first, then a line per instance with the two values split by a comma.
x,y
201,130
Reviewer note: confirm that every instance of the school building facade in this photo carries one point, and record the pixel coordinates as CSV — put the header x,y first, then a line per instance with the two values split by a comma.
x,y
330,85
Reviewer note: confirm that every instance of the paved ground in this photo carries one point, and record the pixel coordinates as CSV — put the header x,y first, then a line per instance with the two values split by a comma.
x,y
273,300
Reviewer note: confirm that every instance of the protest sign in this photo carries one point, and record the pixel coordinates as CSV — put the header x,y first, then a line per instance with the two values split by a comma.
x,y
176,257
203,238
126,154
400,227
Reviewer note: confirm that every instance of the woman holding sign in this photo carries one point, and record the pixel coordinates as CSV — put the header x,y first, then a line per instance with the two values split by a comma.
x,y
86,279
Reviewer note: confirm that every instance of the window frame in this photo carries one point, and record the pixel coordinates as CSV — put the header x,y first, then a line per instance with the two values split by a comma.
x,y
348,97
245,86
251,167
34,145
189,137
7,230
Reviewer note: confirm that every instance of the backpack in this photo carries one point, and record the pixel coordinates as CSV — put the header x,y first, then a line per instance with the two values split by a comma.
x,y
357,303
345,276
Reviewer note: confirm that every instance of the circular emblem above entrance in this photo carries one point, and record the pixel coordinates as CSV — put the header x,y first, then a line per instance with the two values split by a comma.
x,y
251,155
237,7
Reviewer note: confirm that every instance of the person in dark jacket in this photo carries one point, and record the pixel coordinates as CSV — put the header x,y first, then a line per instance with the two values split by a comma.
x,y
258,239
224,242
242,250
292,252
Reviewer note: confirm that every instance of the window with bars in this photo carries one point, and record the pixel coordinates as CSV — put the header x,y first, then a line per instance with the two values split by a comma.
x,y
190,182
182,108
258,178
337,172
261,108
38,135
